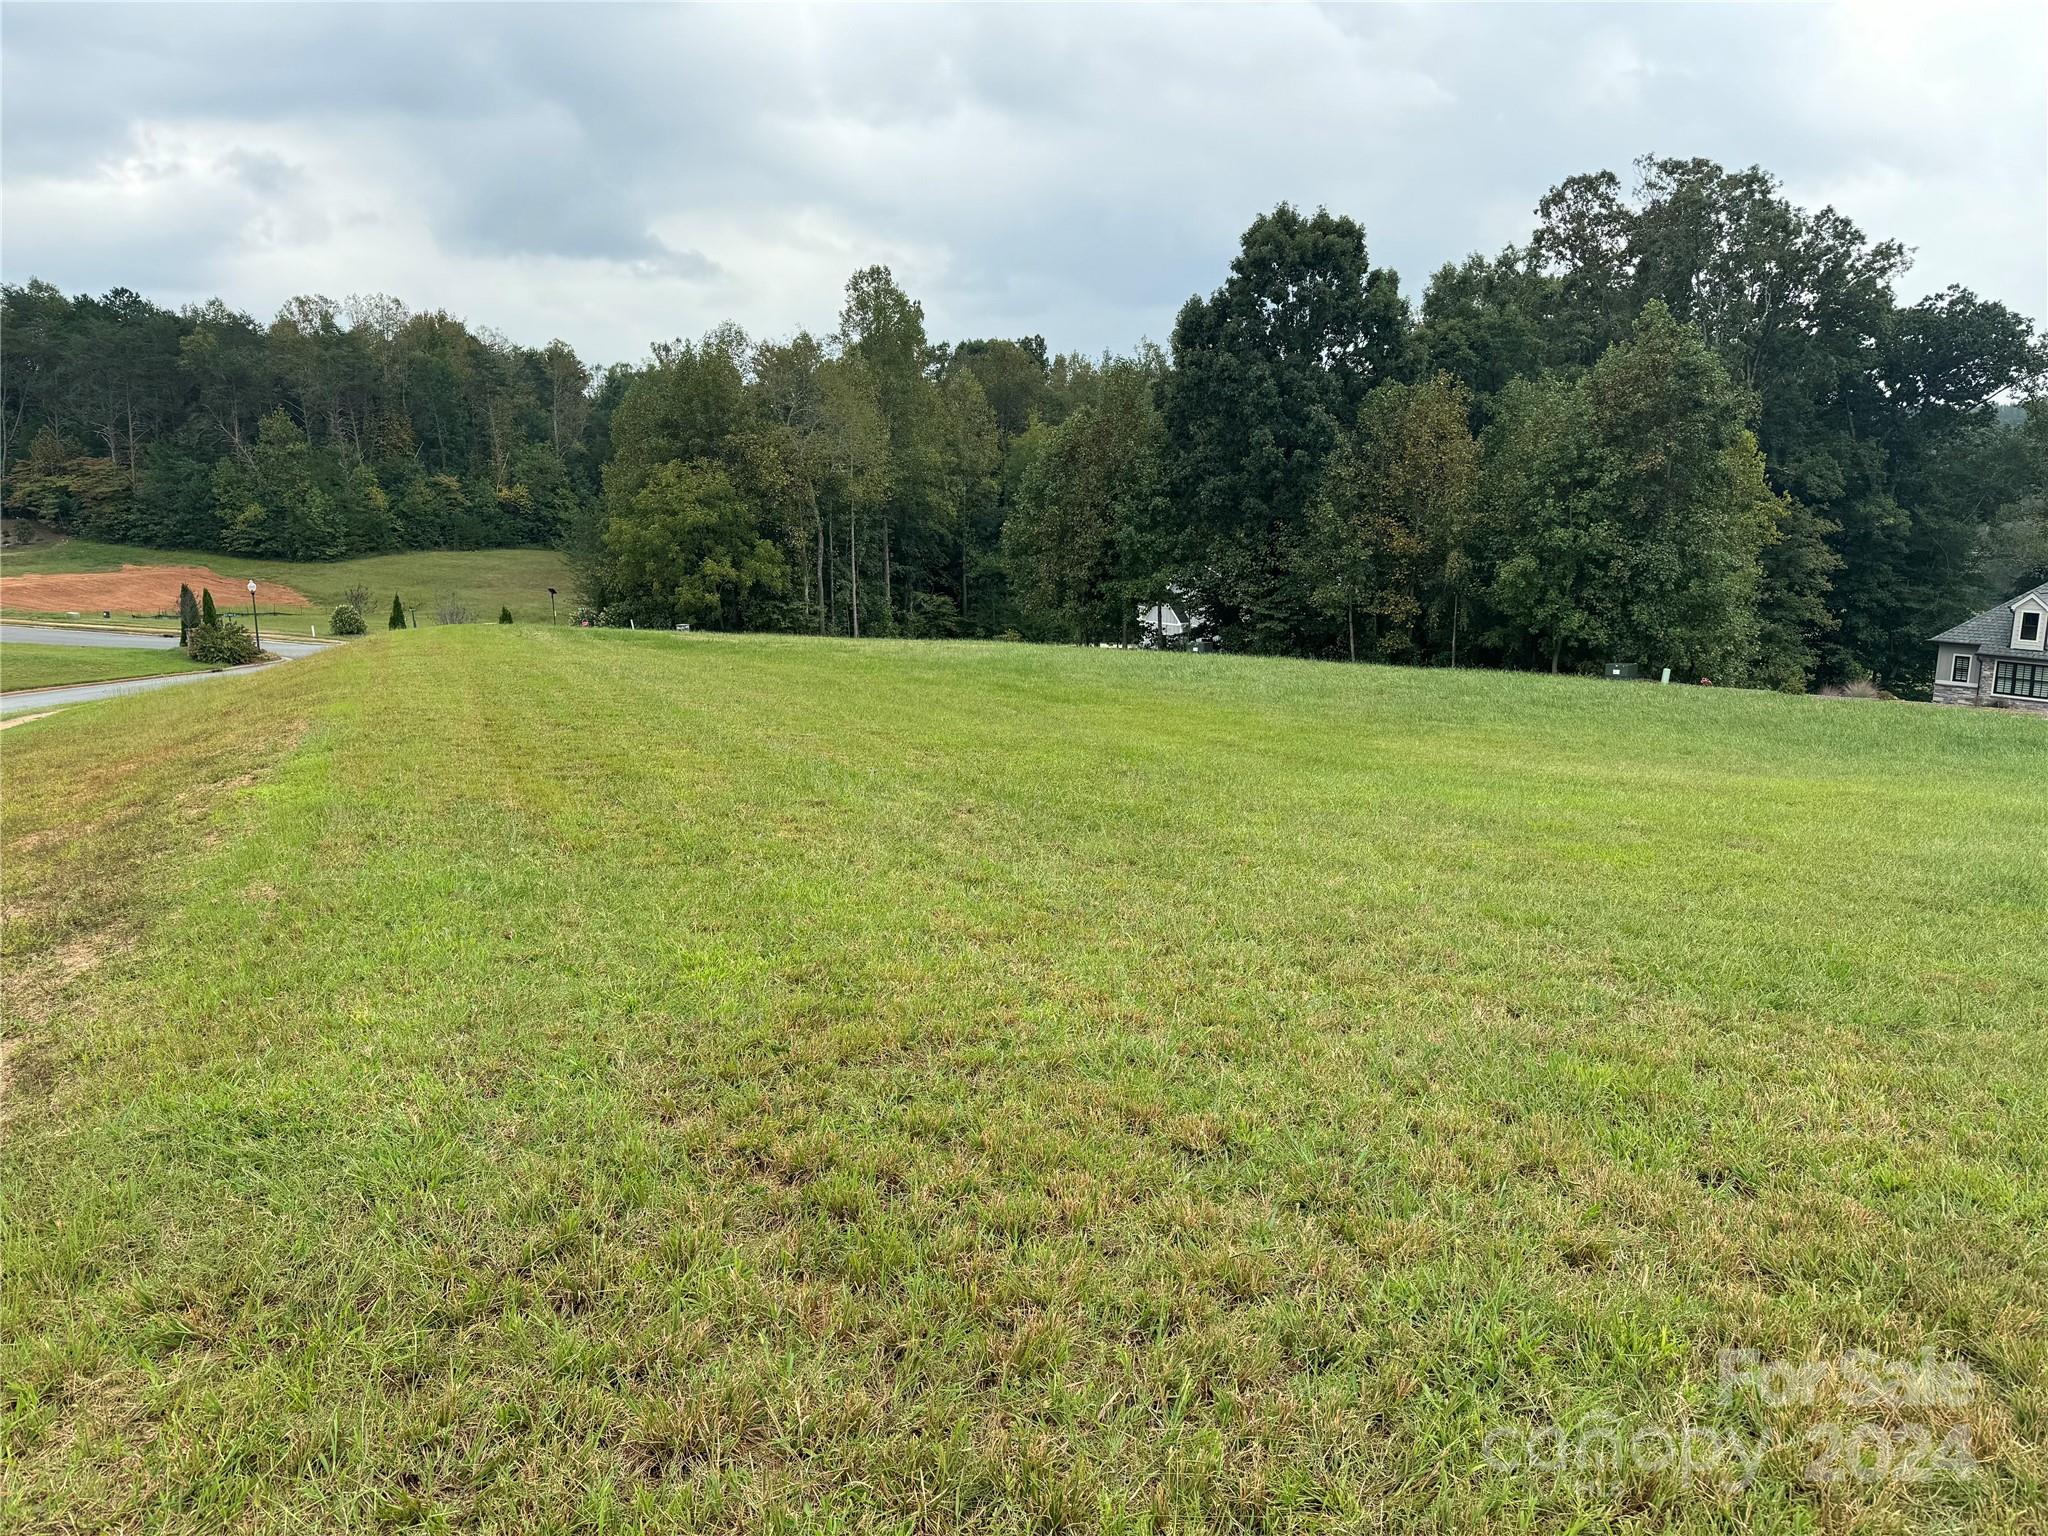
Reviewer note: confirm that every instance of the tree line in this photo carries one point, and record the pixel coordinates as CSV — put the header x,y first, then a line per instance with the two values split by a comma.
x,y
1686,423
336,430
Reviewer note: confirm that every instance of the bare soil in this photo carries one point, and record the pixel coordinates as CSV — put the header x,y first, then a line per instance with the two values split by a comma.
x,y
132,589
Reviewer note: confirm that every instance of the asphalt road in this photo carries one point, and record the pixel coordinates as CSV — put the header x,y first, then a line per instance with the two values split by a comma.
x,y
83,693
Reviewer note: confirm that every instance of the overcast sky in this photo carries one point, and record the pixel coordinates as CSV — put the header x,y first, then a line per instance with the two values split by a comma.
x,y
614,175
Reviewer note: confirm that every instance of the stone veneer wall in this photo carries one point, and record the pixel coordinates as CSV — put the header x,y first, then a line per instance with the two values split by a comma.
x,y
1980,693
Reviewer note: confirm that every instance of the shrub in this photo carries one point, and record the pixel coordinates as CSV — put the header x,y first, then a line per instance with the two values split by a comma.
x,y
454,611
1856,688
188,614
223,643
357,597
347,620
933,616
397,613
504,615
208,614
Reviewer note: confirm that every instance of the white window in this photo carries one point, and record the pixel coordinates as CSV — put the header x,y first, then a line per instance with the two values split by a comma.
x,y
1959,669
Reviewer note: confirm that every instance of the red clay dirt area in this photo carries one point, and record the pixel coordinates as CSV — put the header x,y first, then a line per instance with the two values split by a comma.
x,y
131,589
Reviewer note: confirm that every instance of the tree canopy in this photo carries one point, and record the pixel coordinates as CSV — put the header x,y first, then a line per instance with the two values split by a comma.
x,y
1686,423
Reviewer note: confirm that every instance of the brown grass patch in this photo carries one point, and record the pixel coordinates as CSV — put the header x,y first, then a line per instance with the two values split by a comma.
x,y
134,589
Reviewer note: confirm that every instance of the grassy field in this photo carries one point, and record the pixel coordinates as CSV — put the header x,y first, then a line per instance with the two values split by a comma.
x,y
485,580
40,666
539,1080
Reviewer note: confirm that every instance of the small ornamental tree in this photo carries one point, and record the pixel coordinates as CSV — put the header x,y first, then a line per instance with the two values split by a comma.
x,y
208,614
504,615
188,613
397,613
347,620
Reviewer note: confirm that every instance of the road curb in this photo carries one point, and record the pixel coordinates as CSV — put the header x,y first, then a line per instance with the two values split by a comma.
x,y
136,677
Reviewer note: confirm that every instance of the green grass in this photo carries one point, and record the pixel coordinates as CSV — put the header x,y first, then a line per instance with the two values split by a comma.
x,y
41,666
485,580
539,1080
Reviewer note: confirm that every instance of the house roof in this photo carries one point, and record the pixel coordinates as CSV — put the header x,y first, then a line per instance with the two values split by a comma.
x,y
1990,630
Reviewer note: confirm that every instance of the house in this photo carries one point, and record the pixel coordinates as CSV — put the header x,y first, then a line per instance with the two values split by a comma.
x,y
1999,657
1178,624
1162,624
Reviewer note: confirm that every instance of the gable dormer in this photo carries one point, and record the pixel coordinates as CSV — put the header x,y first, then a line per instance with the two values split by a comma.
x,y
2030,622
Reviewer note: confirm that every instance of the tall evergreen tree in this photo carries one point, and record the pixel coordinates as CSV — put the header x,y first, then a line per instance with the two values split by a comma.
x,y
1266,372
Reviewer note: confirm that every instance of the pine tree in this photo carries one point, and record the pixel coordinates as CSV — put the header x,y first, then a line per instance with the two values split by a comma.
x,y
209,616
397,613
504,615
188,613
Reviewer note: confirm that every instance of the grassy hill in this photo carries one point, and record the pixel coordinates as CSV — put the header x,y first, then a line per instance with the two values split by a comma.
x,y
484,580
531,1079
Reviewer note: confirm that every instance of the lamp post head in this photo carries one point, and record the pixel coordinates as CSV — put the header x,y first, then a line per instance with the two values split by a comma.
x,y
252,588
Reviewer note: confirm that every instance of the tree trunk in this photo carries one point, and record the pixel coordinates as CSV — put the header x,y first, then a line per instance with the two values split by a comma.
x,y
10,428
888,592
853,562
1556,649
1351,629
824,607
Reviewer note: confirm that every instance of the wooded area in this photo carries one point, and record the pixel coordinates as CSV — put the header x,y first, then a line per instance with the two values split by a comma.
x,y
1687,425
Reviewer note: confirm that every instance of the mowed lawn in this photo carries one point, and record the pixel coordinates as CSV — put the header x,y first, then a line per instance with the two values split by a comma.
x,y
41,666
539,1080
483,580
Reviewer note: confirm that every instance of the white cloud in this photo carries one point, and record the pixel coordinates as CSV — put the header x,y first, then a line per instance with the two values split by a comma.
x,y
618,175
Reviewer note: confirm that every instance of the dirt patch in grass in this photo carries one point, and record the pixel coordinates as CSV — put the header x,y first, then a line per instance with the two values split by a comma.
x,y
36,981
131,589
25,1075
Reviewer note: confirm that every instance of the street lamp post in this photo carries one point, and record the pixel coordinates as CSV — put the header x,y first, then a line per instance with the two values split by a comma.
x,y
551,606
252,614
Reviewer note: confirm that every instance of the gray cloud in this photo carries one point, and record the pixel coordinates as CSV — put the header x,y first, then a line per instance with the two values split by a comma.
x,y
616,174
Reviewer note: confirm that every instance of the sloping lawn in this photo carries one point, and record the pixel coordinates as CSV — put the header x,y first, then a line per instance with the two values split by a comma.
x,y
42,666
538,1080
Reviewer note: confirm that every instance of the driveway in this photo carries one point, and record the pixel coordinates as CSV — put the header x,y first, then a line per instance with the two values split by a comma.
x,y
42,699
